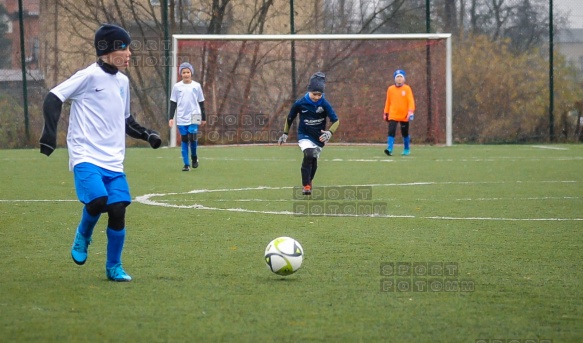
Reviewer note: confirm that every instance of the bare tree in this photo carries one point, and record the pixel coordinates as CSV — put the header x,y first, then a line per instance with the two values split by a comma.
x,y
242,77
524,22
80,18
450,16
382,16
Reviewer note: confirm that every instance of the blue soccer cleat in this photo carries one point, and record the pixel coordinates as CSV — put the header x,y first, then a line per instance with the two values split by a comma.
x,y
405,152
116,273
79,249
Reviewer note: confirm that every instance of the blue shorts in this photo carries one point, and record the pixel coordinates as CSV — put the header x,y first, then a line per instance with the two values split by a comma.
x,y
186,129
92,182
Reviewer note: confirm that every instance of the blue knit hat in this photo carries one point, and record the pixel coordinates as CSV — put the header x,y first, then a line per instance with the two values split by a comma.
x,y
399,72
109,38
317,82
186,65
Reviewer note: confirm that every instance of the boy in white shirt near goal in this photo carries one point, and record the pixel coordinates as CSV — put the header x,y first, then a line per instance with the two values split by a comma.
x,y
98,123
187,102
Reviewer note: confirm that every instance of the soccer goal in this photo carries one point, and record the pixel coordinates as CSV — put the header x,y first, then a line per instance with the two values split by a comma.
x,y
250,82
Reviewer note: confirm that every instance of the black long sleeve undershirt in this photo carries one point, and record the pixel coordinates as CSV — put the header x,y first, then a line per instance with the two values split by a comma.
x,y
173,106
135,130
52,107
202,112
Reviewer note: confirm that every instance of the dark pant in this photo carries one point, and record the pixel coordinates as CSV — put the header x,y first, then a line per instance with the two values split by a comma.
x,y
309,166
393,128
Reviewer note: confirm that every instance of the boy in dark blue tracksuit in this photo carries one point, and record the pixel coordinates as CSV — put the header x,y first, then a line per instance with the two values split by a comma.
x,y
313,110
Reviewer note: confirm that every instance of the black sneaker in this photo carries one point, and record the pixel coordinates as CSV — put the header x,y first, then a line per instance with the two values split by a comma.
x,y
388,152
186,167
195,162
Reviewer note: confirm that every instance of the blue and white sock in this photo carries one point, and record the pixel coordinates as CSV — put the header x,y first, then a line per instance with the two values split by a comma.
x,y
406,142
87,223
115,241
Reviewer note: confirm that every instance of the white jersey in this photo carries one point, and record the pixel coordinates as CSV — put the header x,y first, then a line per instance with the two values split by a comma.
x,y
99,108
186,96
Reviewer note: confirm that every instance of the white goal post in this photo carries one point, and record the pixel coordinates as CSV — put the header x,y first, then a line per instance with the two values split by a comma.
x,y
305,37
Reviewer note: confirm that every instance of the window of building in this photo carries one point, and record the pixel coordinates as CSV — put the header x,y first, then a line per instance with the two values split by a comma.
x,y
5,19
35,49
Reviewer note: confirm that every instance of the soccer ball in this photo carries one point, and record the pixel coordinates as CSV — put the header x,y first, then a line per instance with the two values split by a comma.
x,y
284,256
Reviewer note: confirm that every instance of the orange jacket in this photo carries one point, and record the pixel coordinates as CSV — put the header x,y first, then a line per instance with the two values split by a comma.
x,y
399,103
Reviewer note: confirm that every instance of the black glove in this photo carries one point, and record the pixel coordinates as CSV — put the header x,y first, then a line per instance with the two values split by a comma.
x,y
154,139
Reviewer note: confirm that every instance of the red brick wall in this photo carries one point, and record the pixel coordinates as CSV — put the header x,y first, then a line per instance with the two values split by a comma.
x,y
31,30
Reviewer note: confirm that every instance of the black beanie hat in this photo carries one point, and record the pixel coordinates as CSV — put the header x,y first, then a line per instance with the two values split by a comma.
x,y
317,82
110,38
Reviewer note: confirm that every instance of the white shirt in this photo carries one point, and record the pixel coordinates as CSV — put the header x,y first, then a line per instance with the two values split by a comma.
x,y
99,108
186,96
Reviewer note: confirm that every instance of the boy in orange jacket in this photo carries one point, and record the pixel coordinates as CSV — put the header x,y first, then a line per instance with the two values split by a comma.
x,y
399,108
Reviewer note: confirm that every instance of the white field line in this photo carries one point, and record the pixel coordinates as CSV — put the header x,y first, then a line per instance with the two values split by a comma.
x,y
399,159
549,147
147,199
391,199
37,200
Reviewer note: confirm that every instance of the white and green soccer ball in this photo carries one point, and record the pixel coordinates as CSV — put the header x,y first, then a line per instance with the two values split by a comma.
x,y
284,256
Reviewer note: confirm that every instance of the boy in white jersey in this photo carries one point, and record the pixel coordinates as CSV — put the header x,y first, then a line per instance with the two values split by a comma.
x,y
187,101
98,122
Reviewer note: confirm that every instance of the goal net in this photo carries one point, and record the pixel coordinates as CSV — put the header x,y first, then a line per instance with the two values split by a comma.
x,y
251,81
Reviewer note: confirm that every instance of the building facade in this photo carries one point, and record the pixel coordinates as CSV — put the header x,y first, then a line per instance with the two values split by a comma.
x,y
31,32
570,44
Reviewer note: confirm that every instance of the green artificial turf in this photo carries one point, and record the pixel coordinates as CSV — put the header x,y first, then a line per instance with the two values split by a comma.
x,y
508,218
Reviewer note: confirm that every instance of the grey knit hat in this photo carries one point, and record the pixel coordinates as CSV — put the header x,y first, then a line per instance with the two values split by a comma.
x,y
317,82
186,65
